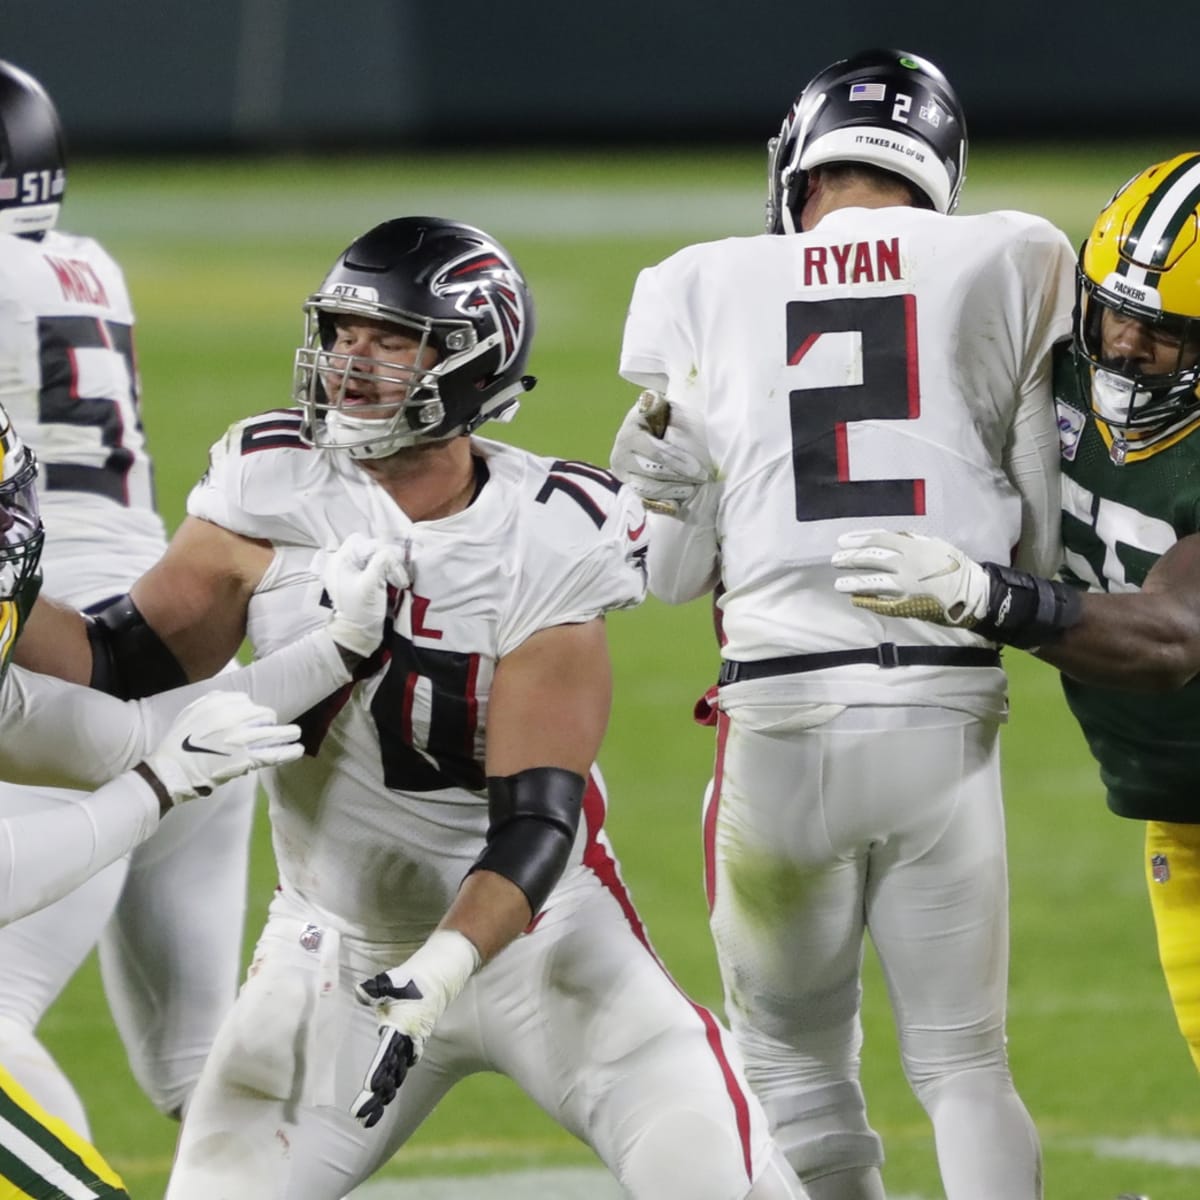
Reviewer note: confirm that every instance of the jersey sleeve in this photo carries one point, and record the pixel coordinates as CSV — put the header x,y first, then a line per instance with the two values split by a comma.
x,y
657,350
584,554
1046,272
251,483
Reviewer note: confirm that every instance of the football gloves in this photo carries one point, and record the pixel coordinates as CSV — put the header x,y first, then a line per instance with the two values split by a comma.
x,y
356,576
910,575
217,738
661,453
409,1001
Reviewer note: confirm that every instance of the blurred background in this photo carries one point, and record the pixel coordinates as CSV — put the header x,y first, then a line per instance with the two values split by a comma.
x,y
229,74
226,152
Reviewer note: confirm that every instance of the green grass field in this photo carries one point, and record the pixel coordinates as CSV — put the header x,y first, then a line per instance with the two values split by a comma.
x,y
219,258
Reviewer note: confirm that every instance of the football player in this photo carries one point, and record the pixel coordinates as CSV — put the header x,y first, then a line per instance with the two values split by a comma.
x,y
68,375
449,902
1125,615
871,355
55,732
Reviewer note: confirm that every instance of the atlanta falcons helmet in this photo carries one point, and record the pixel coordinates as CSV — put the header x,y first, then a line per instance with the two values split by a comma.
x,y
455,290
33,174
1142,261
885,108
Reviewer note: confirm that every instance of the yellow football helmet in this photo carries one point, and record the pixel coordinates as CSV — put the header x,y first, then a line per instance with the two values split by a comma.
x,y
1142,262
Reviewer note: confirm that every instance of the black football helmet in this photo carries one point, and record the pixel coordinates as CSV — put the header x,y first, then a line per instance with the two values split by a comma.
x,y
885,108
452,287
33,173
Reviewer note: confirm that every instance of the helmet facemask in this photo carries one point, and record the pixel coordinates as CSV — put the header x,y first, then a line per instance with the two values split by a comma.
x,y
1123,395
21,533
336,389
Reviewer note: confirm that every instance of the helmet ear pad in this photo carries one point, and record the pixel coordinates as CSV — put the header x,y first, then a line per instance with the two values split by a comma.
x,y
32,155
882,108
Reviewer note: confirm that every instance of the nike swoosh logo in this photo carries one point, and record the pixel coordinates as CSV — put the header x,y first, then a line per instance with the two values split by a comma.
x,y
189,745
949,569
634,534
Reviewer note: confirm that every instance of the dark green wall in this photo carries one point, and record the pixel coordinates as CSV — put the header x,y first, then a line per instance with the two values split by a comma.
x,y
220,73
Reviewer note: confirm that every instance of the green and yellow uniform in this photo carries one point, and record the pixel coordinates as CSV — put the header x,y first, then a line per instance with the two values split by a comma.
x,y
41,1158
1125,505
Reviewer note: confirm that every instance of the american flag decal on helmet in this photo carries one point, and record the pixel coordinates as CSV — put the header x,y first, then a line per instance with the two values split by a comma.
x,y
1160,869
484,279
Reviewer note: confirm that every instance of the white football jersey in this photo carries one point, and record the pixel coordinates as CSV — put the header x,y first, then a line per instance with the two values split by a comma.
x,y
68,377
878,371
380,828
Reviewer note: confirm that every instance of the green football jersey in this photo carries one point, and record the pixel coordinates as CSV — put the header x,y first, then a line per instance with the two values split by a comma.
x,y
1123,507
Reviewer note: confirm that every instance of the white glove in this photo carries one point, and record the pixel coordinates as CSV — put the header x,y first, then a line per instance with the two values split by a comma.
x,y
409,1000
355,576
910,575
661,453
217,738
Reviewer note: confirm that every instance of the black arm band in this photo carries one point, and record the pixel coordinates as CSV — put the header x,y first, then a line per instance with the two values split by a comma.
x,y
1025,610
533,816
129,660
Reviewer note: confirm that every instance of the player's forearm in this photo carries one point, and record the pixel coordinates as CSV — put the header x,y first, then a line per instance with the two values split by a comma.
x,y
1140,641
490,911
684,562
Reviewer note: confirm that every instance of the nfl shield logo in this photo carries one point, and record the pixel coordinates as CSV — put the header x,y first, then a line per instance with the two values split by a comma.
x,y
1159,870
310,938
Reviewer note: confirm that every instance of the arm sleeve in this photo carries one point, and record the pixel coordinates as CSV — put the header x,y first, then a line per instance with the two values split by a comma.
x,y
684,557
1032,455
571,581
45,855
657,352
57,734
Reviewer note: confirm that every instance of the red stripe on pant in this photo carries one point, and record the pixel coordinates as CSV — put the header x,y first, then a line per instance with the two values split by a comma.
x,y
601,863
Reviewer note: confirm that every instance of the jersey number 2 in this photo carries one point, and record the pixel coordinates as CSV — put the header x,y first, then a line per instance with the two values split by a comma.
x,y
887,389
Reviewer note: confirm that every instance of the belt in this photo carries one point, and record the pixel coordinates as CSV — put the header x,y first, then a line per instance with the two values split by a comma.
x,y
887,654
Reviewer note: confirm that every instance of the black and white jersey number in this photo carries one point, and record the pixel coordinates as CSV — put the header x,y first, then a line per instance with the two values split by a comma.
x,y
876,356
89,381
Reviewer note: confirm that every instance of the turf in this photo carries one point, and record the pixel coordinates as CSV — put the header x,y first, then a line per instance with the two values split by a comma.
x,y
219,257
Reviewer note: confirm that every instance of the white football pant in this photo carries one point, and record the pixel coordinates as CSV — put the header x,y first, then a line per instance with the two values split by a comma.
x,y
887,821
579,1012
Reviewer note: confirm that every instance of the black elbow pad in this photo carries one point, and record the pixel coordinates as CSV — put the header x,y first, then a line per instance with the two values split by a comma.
x,y
129,660
533,817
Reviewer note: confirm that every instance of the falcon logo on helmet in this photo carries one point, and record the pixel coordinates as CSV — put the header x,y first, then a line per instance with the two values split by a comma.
x,y
502,298
1141,263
